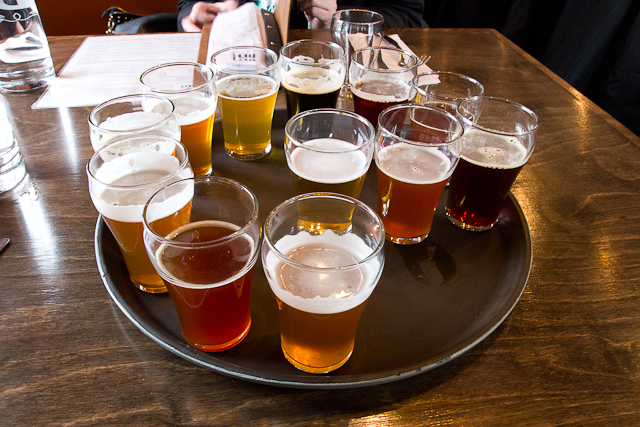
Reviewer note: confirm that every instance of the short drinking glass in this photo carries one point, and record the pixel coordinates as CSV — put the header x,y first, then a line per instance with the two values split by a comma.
x,y
444,90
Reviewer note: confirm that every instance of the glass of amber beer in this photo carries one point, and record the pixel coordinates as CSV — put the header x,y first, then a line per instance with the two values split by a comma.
x,y
311,73
444,90
202,235
129,115
321,281
190,86
416,151
248,83
498,140
122,177
379,78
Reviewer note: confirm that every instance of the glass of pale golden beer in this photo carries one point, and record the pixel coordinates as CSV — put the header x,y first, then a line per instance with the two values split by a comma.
x,y
311,72
248,83
203,236
498,140
417,149
444,90
321,281
190,86
129,115
379,78
122,177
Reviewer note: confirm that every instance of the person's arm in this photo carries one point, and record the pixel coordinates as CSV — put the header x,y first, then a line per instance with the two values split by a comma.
x,y
192,15
318,12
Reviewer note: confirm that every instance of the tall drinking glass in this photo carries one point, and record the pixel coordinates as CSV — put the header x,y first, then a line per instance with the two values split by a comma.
x,y
355,29
122,177
444,90
190,86
311,73
203,236
379,78
417,149
498,140
129,115
248,83
321,281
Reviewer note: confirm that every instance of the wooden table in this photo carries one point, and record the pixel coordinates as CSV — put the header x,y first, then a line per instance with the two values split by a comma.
x,y
568,354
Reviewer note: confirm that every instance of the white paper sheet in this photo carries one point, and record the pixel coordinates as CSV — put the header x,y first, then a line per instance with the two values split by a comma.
x,y
105,67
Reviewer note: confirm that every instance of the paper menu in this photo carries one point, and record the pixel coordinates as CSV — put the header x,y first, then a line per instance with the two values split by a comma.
x,y
105,67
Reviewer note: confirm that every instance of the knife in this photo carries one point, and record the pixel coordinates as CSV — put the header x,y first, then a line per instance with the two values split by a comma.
x,y
3,242
392,42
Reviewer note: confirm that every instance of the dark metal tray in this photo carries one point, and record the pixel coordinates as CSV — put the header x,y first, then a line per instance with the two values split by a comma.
x,y
434,301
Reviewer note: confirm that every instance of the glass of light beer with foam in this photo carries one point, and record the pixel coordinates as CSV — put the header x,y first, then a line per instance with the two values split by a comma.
x,y
498,140
321,281
191,88
122,177
206,257
129,115
416,151
248,81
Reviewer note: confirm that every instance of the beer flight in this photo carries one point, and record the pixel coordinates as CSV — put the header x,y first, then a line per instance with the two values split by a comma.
x,y
197,236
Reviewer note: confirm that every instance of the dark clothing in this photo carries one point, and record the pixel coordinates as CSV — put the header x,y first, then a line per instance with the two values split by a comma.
x,y
397,14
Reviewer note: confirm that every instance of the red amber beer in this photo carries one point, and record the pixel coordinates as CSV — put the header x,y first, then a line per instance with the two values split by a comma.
x,y
207,260
416,152
321,281
498,141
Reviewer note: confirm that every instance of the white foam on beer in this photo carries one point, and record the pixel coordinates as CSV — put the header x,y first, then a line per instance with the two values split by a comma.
x,y
328,161
314,291
493,151
413,164
132,169
250,261
193,108
127,122
381,90
312,80
245,88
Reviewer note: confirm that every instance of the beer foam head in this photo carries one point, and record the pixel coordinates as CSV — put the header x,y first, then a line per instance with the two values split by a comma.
x,y
246,87
192,108
326,276
328,161
492,150
414,164
382,90
312,80
117,127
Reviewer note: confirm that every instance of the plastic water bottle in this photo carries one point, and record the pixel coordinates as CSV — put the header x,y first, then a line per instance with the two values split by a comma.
x,y
25,60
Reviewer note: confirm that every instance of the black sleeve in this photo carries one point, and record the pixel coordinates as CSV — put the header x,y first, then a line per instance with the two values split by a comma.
x,y
396,13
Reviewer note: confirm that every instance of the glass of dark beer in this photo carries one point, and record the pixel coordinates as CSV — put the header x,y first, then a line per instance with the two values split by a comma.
x,y
444,90
379,78
311,73
498,140
416,150
321,281
202,236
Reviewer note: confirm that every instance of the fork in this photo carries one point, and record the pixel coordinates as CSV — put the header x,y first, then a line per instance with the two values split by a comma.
x,y
423,60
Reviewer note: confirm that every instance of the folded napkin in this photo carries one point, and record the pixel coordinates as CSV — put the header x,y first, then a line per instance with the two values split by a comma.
x,y
422,68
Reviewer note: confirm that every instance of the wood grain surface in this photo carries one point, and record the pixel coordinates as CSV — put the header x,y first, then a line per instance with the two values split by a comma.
x,y
569,354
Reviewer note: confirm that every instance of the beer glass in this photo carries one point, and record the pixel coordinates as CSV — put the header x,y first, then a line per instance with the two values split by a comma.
x,y
379,78
416,151
248,83
444,90
311,73
498,140
321,281
202,236
355,29
122,177
190,86
129,115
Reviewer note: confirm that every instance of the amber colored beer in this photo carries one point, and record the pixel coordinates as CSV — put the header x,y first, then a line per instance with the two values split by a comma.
x,y
483,178
196,116
246,106
210,285
371,97
320,308
411,179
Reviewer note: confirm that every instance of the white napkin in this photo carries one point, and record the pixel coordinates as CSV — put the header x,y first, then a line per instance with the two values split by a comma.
x,y
238,27
422,68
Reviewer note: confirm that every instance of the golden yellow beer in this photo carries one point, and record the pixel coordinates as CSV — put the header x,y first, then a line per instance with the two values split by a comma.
x,y
246,106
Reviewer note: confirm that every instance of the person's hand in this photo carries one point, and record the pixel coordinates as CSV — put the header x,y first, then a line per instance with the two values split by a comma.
x,y
318,12
203,12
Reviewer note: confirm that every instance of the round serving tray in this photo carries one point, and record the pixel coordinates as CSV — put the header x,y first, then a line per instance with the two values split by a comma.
x,y
434,301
